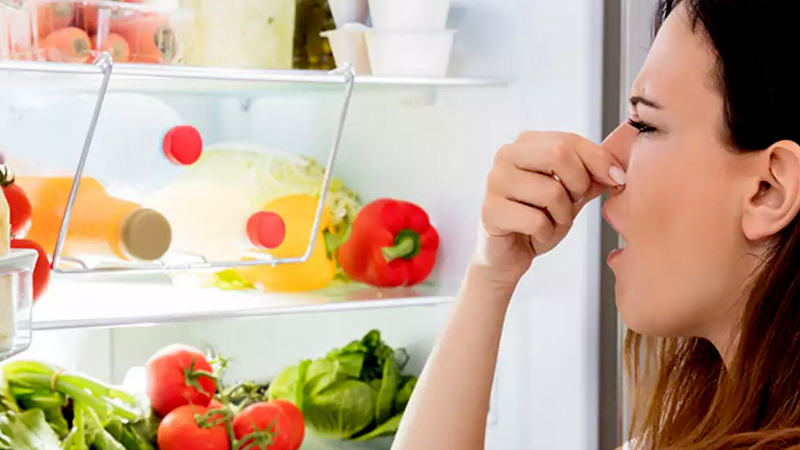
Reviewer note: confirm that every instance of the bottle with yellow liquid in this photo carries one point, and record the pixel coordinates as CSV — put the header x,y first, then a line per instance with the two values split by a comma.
x,y
101,226
291,218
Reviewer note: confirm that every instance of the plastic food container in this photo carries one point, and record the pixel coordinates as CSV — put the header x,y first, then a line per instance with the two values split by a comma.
x,y
409,15
349,46
16,301
409,54
77,31
349,11
253,34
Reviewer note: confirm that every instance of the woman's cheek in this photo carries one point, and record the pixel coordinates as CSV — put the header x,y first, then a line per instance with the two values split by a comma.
x,y
647,199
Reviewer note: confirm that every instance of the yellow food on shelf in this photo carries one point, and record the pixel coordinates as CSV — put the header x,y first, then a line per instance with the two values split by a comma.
x,y
297,212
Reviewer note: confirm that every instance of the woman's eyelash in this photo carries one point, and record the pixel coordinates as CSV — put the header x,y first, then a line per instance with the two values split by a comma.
x,y
641,127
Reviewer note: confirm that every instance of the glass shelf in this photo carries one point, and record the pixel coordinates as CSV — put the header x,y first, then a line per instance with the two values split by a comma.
x,y
184,79
76,304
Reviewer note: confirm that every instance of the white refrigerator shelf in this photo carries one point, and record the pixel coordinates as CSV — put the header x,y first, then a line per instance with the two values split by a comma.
x,y
74,304
171,79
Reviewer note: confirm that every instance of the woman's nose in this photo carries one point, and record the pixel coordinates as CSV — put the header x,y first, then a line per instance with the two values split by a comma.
x,y
620,143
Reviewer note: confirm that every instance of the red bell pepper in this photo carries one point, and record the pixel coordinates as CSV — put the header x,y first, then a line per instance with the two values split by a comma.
x,y
391,244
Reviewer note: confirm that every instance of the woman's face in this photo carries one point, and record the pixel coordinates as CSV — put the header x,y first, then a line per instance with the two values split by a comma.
x,y
683,267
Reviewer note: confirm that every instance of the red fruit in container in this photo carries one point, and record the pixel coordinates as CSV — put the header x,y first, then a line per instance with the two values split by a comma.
x,y
41,271
114,44
86,18
52,16
392,244
191,427
69,45
18,204
150,37
296,419
179,375
215,404
263,425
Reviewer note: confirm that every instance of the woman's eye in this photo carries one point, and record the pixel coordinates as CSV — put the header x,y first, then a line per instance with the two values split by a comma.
x,y
641,127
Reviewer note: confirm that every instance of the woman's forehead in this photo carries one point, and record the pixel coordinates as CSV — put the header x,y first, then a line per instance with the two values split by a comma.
x,y
680,66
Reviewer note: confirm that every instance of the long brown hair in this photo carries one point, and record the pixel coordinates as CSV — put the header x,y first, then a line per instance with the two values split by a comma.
x,y
685,396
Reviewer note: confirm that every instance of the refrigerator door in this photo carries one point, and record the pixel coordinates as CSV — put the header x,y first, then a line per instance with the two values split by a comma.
x,y
627,36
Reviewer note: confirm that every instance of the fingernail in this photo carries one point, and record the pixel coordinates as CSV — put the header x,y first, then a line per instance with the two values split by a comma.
x,y
579,201
617,174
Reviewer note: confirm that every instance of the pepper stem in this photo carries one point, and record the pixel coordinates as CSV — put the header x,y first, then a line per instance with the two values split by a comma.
x,y
406,246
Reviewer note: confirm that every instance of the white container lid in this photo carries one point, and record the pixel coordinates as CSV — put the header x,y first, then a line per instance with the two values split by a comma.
x,y
18,260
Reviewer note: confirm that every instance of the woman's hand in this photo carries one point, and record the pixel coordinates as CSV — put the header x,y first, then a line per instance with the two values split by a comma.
x,y
535,190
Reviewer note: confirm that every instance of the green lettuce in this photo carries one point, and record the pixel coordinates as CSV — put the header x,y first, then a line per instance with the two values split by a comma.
x,y
27,430
356,392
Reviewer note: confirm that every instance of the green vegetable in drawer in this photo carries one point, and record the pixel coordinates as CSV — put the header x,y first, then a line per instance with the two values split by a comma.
x,y
356,392
27,431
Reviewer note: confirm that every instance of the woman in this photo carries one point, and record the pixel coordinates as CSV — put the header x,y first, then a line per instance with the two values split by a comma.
x,y
704,187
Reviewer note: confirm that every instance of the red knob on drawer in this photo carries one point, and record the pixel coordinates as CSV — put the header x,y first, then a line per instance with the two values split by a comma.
x,y
183,145
266,229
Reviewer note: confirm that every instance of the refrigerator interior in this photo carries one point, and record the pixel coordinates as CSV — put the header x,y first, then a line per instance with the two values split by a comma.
x,y
435,151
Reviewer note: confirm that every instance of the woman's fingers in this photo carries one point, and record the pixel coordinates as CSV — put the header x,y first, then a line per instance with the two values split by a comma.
x,y
536,188
543,192
575,160
509,217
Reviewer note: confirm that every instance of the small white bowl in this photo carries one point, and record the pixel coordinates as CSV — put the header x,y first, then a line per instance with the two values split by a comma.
x,y
349,46
404,54
349,11
409,15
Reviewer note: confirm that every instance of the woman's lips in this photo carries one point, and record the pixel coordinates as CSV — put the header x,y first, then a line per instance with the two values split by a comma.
x,y
614,255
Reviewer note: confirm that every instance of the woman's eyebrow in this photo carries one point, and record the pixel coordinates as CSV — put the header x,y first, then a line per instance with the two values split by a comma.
x,y
637,100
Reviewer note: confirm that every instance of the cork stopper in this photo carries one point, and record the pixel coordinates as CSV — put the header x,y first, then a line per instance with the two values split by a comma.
x,y
146,235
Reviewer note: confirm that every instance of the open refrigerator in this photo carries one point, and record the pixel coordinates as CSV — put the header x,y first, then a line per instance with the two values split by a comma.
x,y
515,65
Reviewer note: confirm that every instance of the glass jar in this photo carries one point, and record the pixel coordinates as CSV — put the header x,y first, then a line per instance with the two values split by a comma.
x,y
312,51
252,34
16,301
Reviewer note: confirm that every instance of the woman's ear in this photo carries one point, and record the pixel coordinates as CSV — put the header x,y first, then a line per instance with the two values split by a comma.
x,y
773,197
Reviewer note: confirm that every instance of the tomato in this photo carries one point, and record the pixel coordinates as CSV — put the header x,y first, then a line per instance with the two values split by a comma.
x,y
19,206
266,425
190,428
214,404
41,271
179,375
297,423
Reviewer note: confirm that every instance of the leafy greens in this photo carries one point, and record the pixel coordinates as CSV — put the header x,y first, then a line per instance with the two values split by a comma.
x,y
355,392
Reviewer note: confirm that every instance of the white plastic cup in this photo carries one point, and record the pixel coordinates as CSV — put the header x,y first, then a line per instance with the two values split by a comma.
x,y
349,11
409,15
349,46
404,54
